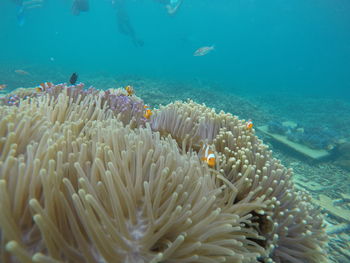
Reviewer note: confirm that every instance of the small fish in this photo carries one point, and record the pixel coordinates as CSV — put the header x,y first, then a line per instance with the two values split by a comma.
x,y
73,79
44,86
22,72
39,89
148,112
130,90
207,155
249,124
3,86
203,51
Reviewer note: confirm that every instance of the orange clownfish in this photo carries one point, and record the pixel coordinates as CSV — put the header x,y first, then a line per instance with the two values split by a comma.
x,y
43,86
249,124
39,89
148,112
130,90
207,155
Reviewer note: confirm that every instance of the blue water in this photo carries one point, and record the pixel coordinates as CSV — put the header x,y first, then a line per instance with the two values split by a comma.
x,y
297,47
274,61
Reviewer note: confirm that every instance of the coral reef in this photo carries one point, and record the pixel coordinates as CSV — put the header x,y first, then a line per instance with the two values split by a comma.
x,y
338,221
85,178
341,154
314,137
277,127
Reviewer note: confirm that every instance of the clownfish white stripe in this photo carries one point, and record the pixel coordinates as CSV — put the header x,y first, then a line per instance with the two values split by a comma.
x,y
211,155
207,155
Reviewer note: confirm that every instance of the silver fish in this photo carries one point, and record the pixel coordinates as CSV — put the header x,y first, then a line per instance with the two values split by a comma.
x,y
203,51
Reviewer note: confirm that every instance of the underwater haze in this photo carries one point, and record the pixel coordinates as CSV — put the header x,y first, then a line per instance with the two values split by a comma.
x,y
281,67
262,47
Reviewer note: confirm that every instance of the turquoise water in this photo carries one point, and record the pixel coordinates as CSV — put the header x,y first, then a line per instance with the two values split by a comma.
x,y
283,64
260,46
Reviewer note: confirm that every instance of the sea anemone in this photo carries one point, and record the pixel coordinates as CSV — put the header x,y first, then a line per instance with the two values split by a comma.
x,y
85,179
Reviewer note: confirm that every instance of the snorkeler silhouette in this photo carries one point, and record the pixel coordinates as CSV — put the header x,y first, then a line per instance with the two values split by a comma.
x,y
124,24
23,6
80,6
